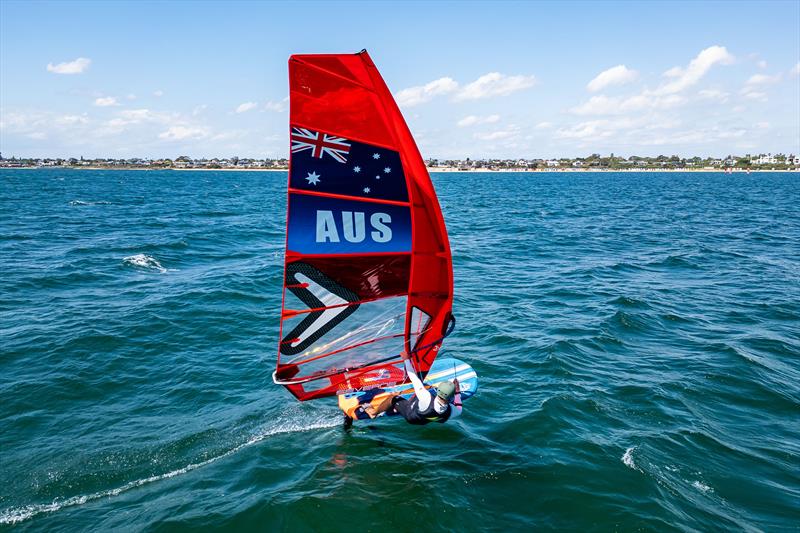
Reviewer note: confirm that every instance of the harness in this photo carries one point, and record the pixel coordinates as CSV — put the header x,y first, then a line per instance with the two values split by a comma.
x,y
418,417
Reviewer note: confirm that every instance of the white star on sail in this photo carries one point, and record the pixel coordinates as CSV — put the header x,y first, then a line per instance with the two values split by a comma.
x,y
366,189
377,177
387,170
356,169
313,178
376,156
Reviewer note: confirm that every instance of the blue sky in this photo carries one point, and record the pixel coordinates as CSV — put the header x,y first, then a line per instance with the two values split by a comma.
x,y
474,79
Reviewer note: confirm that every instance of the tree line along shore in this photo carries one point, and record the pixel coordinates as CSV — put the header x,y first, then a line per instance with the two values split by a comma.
x,y
592,162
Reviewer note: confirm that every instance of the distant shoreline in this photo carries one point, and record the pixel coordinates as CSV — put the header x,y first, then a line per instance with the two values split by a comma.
x,y
443,170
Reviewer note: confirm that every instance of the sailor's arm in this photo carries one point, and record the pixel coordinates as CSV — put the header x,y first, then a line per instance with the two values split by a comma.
x,y
420,391
456,407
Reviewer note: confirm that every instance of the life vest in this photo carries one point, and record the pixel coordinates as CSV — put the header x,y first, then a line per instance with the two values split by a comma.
x,y
418,417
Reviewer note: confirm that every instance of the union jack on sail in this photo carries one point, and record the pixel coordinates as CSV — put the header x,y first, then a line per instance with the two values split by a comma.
x,y
320,143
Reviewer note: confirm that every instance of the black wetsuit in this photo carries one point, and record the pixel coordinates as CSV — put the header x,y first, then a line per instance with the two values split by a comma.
x,y
409,409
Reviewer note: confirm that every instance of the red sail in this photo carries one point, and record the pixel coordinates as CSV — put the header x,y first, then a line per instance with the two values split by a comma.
x,y
368,270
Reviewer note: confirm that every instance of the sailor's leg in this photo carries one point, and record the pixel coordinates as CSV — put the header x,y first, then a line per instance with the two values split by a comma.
x,y
382,407
403,407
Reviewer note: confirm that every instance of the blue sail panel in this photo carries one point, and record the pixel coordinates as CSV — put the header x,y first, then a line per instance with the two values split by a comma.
x,y
322,225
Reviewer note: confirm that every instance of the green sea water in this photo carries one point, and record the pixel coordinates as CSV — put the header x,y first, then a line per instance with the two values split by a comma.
x,y
637,338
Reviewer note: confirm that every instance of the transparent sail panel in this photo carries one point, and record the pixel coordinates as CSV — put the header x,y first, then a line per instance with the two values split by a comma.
x,y
420,321
372,332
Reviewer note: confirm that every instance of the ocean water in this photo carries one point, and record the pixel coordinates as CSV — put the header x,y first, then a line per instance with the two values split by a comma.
x,y
637,337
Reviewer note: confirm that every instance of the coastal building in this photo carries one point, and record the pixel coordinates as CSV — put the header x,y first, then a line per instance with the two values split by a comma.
x,y
764,159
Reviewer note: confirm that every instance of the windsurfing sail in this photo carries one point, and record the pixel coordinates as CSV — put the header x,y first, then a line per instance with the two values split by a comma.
x,y
368,271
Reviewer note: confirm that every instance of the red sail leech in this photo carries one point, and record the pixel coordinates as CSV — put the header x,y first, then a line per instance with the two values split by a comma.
x,y
368,270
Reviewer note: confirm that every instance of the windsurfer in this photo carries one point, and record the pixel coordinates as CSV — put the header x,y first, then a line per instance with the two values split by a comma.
x,y
426,406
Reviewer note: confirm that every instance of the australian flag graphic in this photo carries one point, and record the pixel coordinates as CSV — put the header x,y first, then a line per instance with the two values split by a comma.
x,y
326,163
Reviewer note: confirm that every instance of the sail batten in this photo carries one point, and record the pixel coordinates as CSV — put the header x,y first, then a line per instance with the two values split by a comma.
x,y
346,197
368,270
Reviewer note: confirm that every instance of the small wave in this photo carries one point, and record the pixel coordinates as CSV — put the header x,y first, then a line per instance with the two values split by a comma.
x,y
82,202
702,487
674,261
627,459
628,321
144,261
15,515
624,301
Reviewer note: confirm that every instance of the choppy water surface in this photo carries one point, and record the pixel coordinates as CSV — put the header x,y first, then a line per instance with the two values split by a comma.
x,y
637,337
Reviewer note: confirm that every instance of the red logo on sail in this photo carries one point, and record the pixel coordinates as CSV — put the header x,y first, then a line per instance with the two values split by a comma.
x,y
320,144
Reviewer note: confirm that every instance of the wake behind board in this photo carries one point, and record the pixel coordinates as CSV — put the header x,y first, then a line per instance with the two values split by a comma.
x,y
353,403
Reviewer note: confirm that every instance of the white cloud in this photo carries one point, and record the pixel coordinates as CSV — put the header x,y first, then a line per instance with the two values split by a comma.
x,y
762,125
471,120
247,106
67,120
795,70
605,105
763,79
665,96
115,125
132,117
495,135
618,75
681,137
731,134
37,135
468,121
179,133
70,67
131,96
278,107
494,84
33,122
694,72
714,94
229,135
488,85
646,130
598,105
544,125
751,93
158,93
424,93
583,130
755,84
106,101
199,109
762,64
